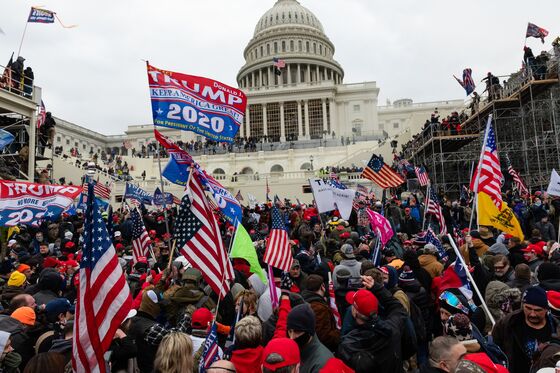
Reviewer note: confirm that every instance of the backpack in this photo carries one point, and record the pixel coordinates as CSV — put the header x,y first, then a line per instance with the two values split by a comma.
x,y
491,349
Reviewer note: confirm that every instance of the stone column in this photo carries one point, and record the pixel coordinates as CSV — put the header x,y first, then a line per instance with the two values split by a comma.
x,y
324,103
306,111
282,124
332,116
248,122
299,121
265,129
298,73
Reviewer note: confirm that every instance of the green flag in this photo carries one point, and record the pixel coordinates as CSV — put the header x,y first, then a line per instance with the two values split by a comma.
x,y
243,248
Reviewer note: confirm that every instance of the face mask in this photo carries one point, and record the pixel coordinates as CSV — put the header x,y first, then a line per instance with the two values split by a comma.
x,y
302,340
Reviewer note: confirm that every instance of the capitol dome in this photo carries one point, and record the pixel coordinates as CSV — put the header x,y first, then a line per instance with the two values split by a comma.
x,y
290,32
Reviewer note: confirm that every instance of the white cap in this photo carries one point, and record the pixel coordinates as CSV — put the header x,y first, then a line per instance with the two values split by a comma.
x,y
11,243
117,233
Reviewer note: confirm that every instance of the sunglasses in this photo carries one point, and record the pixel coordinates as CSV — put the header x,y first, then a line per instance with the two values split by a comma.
x,y
452,300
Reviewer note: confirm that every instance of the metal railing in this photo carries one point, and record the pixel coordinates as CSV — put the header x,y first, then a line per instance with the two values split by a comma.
x,y
10,82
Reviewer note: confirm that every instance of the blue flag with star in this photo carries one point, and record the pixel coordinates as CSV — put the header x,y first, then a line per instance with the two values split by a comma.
x,y
175,172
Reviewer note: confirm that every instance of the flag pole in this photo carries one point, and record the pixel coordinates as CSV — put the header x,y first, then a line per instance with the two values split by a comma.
x,y
22,37
471,280
476,180
425,205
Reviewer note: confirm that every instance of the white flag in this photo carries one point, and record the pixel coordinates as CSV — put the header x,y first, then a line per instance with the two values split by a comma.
x,y
554,185
252,200
323,195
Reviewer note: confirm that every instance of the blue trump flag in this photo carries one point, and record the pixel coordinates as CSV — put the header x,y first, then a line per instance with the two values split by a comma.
x,y
225,201
192,103
137,193
162,198
175,172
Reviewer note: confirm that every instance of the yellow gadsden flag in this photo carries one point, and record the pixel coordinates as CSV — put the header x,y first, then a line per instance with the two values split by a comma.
x,y
504,219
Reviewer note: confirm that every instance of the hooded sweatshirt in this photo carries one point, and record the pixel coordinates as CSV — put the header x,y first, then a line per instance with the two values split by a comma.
x,y
431,264
248,360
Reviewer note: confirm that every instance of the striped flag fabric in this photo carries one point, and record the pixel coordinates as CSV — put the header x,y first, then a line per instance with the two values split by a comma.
x,y
103,296
210,351
517,181
278,252
238,196
199,239
100,190
140,239
332,304
489,172
381,174
422,175
433,207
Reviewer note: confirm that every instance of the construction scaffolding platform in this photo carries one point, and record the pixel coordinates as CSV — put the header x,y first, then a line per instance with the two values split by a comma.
x,y
526,121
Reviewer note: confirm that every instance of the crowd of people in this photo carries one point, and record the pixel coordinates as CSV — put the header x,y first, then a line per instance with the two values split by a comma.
x,y
408,313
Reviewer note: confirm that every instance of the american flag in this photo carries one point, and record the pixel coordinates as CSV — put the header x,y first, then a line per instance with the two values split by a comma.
x,y
140,238
332,304
210,351
362,190
422,175
238,196
42,116
199,239
381,174
431,237
467,83
517,181
535,31
103,295
490,178
278,252
278,63
100,190
433,207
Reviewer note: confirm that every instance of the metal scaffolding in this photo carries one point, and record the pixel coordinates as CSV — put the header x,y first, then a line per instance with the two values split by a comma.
x,y
527,126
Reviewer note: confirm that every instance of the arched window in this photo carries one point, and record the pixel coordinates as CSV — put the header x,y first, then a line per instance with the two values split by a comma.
x,y
277,169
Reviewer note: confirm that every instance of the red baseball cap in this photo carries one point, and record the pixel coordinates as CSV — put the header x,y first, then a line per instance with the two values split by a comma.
x,y
364,301
201,318
533,248
285,347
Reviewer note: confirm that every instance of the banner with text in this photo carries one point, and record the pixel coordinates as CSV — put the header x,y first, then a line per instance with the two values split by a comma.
x,y
29,203
196,104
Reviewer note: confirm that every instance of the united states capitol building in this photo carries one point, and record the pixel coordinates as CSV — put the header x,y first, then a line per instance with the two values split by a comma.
x,y
305,119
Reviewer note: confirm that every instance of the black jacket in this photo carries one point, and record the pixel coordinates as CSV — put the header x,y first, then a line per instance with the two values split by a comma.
x,y
376,346
508,334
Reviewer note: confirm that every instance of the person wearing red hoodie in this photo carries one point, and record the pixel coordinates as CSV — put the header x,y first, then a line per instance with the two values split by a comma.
x,y
247,356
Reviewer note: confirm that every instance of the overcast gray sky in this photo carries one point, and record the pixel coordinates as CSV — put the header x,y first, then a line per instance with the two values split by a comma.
x,y
93,75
